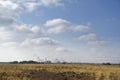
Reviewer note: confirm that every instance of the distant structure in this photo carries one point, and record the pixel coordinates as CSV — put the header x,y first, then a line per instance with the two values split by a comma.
x,y
57,60
40,60
47,61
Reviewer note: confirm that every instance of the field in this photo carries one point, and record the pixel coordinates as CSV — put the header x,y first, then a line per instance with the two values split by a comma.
x,y
59,72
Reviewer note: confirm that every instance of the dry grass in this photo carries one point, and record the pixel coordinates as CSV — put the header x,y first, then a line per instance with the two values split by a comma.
x,y
59,72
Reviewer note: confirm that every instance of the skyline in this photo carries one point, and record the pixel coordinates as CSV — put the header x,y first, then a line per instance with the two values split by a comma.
x,y
76,31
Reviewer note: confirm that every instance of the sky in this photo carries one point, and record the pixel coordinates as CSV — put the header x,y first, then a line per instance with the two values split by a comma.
x,y
68,30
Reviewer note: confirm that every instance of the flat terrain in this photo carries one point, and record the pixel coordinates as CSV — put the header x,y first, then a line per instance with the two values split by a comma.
x,y
59,72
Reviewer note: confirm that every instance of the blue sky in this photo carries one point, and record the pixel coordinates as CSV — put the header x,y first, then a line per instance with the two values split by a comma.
x,y
76,31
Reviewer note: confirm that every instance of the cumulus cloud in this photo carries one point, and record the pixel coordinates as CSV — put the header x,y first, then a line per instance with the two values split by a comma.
x,y
28,29
20,31
59,25
92,39
10,11
10,44
57,30
7,7
99,43
7,20
6,34
51,2
31,5
43,41
8,4
80,28
88,37
57,22
35,42
19,6
62,49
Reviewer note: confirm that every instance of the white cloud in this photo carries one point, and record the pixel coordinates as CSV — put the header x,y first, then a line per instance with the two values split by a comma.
x,y
28,29
44,41
10,44
57,22
51,2
57,30
59,25
99,43
61,49
19,41
7,7
31,6
92,40
8,4
6,34
20,31
88,37
80,28
7,20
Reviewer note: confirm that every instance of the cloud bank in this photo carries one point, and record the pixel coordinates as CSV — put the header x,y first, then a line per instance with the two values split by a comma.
x,y
20,40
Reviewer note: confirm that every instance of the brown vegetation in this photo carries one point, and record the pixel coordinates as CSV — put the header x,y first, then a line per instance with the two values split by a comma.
x,y
59,72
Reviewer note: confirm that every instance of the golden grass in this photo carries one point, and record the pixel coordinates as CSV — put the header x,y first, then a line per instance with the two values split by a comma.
x,y
22,71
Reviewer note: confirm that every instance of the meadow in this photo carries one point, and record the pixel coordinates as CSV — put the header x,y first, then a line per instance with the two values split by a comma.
x,y
59,72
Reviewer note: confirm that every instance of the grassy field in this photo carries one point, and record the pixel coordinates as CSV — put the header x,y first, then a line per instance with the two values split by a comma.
x,y
59,72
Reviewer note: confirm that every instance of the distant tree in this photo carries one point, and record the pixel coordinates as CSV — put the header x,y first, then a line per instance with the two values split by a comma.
x,y
31,61
106,63
28,62
64,62
14,62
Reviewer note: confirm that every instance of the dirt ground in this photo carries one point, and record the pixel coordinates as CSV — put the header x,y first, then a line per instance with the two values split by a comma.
x,y
44,75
